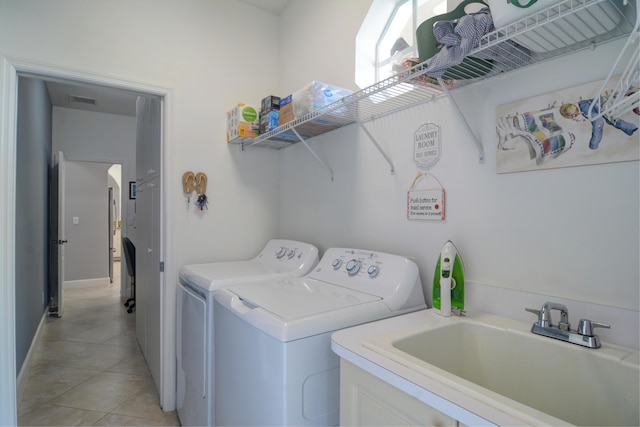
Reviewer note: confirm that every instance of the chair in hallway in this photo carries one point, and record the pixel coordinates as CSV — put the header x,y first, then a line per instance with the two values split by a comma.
x,y
130,257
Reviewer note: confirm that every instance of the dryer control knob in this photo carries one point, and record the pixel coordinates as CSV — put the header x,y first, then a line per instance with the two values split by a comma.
x,y
353,267
373,270
281,252
291,253
336,263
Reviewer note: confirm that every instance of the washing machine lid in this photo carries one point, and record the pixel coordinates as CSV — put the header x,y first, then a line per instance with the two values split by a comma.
x,y
295,298
212,276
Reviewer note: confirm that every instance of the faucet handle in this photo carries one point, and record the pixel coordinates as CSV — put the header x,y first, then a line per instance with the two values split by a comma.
x,y
585,327
533,310
544,315
544,318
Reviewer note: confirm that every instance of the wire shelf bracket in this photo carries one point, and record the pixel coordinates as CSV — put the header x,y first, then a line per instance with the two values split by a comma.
x,y
301,139
479,146
375,143
626,94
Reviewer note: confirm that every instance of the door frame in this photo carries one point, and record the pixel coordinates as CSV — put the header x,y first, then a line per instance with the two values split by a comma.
x,y
110,230
10,69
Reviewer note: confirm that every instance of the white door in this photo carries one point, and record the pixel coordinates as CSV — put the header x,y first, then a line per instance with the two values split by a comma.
x,y
58,235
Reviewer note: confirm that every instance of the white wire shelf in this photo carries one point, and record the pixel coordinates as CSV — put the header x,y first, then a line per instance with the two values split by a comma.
x,y
563,28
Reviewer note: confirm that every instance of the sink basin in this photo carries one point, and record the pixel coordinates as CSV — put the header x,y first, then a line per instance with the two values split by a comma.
x,y
501,363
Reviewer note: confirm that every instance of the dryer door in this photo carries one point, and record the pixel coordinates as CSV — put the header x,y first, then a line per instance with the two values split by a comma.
x,y
193,391
193,333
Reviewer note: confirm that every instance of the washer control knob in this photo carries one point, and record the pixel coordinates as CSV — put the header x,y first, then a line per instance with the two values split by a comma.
x,y
281,252
353,267
291,253
373,270
336,263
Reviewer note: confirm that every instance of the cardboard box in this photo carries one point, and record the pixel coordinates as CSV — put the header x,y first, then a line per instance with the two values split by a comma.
x,y
242,122
269,120
286,110
270,103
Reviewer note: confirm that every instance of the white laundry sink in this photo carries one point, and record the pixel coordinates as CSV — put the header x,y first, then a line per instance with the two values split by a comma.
x,y
500,362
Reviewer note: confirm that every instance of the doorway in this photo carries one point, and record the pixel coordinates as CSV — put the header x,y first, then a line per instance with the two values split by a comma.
x,y
115,220
91,224
10,71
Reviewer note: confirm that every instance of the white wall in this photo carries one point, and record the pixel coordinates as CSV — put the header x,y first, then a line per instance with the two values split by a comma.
x,y
208,52
560,233
317,42
210,55
98,137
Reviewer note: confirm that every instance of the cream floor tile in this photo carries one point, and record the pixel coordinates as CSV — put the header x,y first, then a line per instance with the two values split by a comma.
x,y
52,415
147,405
100,357
97,317
134,365
87,368
52,350
99,333
127,338
103,393
26,406
117,420
59,329
49,382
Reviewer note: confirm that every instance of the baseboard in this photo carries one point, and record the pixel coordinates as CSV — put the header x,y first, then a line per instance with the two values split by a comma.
x,y
21,381
86,283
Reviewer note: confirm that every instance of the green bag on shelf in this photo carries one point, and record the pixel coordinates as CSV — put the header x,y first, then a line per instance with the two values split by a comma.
x,y
428,46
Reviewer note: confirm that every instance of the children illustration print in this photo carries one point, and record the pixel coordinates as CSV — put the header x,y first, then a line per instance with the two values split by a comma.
x,y
563,129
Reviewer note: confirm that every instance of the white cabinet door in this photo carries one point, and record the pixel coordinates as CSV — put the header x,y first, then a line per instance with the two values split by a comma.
x,y
154,290
148,279
143,216
366,400
148,226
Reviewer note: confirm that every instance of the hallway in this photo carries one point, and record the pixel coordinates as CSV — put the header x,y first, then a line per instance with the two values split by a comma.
x,y
87,368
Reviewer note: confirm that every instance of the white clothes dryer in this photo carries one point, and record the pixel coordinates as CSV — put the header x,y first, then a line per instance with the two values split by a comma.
x,y
195,340
274,363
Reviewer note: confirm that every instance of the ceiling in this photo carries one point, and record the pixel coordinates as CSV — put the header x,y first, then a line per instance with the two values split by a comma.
x,y
273,6
98,99
102,99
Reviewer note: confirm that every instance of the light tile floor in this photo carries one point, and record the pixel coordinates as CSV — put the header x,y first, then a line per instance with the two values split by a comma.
x,y
88,369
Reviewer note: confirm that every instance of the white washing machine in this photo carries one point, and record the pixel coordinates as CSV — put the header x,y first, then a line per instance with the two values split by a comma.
x,y
274,364
195,340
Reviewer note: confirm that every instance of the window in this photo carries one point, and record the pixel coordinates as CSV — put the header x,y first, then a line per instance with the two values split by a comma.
x,y
388,35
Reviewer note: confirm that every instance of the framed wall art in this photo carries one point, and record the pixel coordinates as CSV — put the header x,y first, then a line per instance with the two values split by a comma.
x,y
563,129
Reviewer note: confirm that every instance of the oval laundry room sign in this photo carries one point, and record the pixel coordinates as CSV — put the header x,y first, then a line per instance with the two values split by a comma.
x,y
426,145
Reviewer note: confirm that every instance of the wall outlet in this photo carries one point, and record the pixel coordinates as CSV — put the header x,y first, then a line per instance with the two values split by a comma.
x,y
76,220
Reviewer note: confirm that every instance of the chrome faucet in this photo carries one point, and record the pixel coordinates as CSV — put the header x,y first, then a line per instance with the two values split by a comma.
x,y
562,331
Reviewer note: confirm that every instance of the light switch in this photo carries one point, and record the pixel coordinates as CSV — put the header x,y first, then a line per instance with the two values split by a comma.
x,y
76,220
